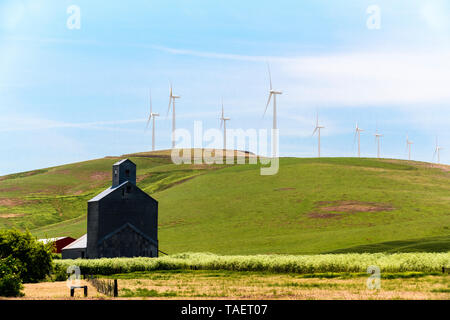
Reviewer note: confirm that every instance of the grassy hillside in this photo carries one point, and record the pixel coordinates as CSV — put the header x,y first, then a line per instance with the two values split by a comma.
x,y
310,206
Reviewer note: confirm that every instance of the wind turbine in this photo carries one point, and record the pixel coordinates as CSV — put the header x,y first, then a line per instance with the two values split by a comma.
x,y
223,121
378,137
172,98
408,146
317,128
358,132
273,93
437,151
152,116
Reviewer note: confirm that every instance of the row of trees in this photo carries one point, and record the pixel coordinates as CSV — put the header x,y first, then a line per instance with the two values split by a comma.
x,y
23,259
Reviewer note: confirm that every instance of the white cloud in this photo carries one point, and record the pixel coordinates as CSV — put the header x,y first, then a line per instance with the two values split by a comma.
x,y
388,76
15,123
369,79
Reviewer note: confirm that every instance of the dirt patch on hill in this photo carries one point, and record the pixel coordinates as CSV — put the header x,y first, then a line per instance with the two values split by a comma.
x,y
100,175
11,215
284,189
353,206
11,202
142,177
11,189
338,209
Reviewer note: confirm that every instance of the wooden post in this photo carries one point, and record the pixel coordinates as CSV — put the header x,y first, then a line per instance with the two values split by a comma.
x,y
116,289
72,292
85,291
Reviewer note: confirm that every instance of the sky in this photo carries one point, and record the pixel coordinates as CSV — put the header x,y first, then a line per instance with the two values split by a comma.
x,y
71,94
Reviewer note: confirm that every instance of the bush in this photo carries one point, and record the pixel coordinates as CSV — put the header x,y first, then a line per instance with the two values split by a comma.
x,y
34,258
10,282
56,256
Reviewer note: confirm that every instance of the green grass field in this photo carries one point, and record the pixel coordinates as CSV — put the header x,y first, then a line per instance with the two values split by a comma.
x,y
311,206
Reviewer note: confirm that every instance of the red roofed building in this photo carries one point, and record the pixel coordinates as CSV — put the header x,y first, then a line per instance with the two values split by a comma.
x,y
60,242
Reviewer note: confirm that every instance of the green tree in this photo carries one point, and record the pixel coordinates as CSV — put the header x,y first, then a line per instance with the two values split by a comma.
x,y
10,282
34,259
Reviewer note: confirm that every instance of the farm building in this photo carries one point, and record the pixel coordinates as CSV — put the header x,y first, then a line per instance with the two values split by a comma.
x,y
76,249
122,221
59,242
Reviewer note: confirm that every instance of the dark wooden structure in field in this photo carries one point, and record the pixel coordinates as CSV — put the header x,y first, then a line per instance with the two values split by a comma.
x,y
122,220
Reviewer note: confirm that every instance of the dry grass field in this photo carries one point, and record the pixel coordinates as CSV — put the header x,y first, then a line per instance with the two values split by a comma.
x,y
260,286
57,290
252,285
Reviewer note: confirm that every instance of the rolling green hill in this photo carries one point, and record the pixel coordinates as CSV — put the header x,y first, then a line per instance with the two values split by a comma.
x,y
310,206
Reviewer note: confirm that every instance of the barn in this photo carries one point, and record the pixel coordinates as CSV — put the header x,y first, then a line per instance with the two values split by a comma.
x,y
59,242
122,221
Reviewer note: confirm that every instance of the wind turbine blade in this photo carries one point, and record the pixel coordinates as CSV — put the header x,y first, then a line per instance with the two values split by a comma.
x,y
222,110
270,75
151,111
170,97
267,105
314,131
354,137
168,109
148,121
151,107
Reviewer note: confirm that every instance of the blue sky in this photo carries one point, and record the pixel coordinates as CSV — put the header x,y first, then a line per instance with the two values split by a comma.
x,y
71,95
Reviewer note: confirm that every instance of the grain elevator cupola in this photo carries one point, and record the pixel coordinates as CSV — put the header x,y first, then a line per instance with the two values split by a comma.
x,y
124,170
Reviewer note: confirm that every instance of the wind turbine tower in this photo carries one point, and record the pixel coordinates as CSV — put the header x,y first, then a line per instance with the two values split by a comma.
x,y
408,145
223,121
318,128
437,151
378,137
273,93
152,116
172,99
358,133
